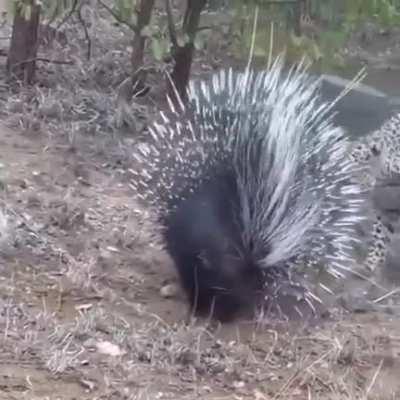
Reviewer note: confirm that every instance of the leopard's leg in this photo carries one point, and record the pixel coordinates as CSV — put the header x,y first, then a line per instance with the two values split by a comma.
x,y
378,248
390,163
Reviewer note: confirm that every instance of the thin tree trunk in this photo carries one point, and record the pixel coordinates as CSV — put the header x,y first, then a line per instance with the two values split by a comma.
x,y
183,55
138,45
21,61
299,12
144,16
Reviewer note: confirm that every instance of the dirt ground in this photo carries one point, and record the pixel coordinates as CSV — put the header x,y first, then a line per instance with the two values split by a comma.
x,y
84,310
82,315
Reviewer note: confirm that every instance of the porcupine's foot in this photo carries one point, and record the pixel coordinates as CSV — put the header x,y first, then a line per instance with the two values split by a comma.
x,y
291,301
289,297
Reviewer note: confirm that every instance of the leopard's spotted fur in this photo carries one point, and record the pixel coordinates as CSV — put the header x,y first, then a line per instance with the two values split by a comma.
x,y
378,155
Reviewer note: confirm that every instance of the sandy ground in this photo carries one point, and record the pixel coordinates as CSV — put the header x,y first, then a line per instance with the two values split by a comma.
x,y
82,316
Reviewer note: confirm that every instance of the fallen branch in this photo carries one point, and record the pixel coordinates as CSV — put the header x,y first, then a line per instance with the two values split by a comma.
x,y
4,53
49,61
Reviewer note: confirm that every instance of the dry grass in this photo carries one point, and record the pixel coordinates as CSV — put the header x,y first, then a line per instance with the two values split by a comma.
x,y
77,324
80,100
4,229
328,363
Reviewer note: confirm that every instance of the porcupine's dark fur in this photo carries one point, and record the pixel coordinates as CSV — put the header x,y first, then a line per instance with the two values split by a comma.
x,y
248,177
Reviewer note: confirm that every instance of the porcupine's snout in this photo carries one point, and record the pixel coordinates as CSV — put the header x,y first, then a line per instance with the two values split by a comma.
x,y
203,237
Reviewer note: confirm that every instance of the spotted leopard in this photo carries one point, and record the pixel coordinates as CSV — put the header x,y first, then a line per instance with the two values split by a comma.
x,y
378,155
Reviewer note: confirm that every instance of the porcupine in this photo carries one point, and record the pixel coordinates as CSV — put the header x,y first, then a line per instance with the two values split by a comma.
x,y
249,179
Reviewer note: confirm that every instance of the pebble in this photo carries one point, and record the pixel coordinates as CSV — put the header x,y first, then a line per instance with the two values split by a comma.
x,y
169,290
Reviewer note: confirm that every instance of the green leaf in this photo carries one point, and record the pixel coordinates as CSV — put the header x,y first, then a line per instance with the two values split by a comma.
x,y
53,9
158,49
27,12
181,40
134,19
199,42
317,52
147,31
11,7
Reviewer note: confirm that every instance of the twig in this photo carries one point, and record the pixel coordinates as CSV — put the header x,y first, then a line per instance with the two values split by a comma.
x,y
205,28
299,373
271,45
253,37
171,25
85,29
118,18
374,378
385,296
48,60
42,59
287,384
69,15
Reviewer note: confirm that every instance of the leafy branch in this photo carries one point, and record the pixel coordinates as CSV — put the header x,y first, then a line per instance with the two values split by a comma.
x,y
118,17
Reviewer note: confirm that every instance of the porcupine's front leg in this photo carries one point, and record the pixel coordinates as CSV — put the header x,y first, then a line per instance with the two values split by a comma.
x,y
286,282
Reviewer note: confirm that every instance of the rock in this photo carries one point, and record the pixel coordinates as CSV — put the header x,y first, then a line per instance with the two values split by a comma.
x,y
169,290
386,201
392,265
357,303
387,198
109,349
362,110
368,32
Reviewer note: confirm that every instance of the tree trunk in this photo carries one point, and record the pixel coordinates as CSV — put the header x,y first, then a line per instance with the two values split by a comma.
x,y
137,56
139,41
183,55
183,58
21,61
299,13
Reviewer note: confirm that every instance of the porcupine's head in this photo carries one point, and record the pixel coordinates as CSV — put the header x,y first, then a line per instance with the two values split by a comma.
x,y
248,177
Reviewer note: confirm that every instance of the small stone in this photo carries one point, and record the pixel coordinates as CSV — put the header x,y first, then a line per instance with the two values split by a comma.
x,y
238,384
83,307
33,200
52,110
109,349
169,290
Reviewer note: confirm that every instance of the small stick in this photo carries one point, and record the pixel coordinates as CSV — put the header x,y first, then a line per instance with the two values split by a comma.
x,y
385,296
3,53
370,386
